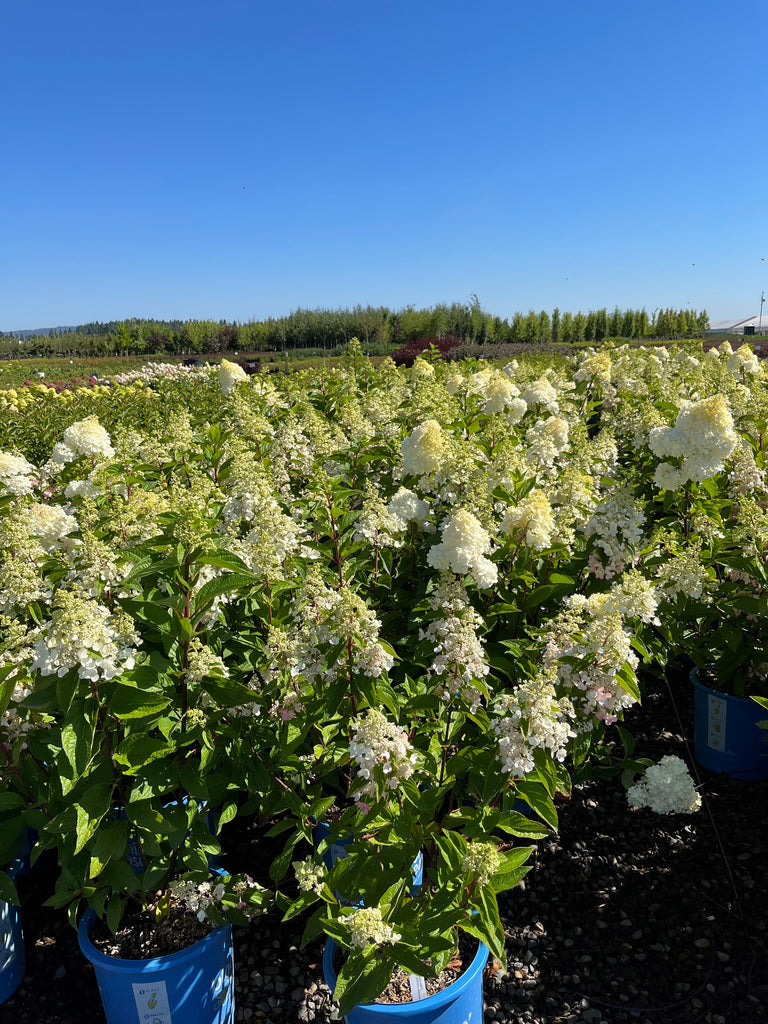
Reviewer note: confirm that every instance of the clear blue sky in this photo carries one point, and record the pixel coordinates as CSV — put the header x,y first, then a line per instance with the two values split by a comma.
x,y
236,159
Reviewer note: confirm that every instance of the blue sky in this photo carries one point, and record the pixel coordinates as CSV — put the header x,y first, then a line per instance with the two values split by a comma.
x,y
238,159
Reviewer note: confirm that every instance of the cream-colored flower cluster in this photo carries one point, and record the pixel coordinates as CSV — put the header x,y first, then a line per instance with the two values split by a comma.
x,y
615,528
310,876
17,476
462,549
743,362
366,927
83,634
86,437
407,507
588,646
379,742
377,524
666,788
459,657
203,664
230,375
531,520
541,393
547,441
51,525
423,449
198,897
482,861
701,439
532,716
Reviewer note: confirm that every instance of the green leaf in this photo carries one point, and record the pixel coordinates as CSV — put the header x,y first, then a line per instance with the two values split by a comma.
x,y
228,812
139,750
517,824
9,801
115,909
109,845
131,702
537,797
216,587
226,560
313,927
90,809
299,905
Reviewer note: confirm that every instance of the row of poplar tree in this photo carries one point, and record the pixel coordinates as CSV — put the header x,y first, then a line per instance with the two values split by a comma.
x,y
379,330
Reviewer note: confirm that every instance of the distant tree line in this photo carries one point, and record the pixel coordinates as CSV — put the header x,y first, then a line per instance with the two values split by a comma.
x,y
329,330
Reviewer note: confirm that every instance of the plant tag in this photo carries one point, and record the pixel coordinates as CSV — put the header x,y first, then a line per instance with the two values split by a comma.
x,y
716,722
152,1003
418,987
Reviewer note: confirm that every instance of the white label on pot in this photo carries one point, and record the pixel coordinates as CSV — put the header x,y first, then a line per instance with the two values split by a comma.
x,y
418,988
152,1003
716,723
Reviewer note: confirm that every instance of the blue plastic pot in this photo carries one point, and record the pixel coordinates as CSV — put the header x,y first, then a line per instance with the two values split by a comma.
x,y
12,962
195,986
459,1003
727,737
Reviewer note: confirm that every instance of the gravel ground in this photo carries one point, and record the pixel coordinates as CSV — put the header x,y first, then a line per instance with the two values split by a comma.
x,y
626,916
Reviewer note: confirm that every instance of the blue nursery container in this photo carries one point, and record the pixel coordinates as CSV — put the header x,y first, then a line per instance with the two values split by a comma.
x,y
727,737
460,1003
12,962
195,986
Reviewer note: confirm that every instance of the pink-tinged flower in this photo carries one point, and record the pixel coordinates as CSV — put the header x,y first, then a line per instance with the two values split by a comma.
x,y
365,808
286,714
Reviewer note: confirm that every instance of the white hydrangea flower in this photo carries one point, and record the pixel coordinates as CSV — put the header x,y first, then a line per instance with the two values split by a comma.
x,y
376,741
229,376
542,393
497,390
532,716
463,548
744,362
310,876
88,437
423,449
547,439
666,788
51,525
202,663
532,518
702,437
481,860
83,634
459,655
616,529
407,507
17,476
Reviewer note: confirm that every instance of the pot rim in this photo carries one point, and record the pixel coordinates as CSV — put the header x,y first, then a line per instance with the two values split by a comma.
x,y
123,966
432,1002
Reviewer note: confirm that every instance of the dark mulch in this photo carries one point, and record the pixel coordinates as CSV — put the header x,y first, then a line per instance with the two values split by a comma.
x,y
626,916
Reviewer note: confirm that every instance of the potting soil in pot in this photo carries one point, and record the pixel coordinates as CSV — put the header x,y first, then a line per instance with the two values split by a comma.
x,y
141,936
